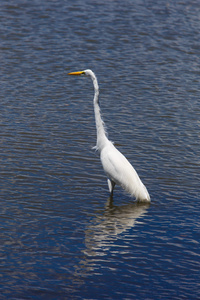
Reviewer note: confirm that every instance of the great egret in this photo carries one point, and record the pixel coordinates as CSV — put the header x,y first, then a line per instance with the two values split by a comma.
x,y
115,164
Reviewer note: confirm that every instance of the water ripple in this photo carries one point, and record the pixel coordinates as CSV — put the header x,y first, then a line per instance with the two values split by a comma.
x,y
60,236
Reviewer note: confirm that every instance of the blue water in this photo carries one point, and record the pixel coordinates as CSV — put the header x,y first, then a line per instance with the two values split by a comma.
x,y
60,235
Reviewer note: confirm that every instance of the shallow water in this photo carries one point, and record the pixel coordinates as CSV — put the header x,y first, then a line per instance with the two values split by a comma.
x,y
61,236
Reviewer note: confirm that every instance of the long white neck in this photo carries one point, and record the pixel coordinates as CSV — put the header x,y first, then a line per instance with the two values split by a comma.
x,y
101,133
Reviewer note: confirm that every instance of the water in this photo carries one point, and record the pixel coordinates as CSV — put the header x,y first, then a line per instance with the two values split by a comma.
x,y
61,237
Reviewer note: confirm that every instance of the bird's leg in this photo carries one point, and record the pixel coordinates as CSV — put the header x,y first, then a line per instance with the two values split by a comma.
x,y
109,203
111,185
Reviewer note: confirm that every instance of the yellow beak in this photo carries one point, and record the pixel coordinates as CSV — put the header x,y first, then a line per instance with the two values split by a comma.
x,y
76,73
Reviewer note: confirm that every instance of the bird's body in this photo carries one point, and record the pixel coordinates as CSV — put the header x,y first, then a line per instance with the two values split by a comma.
x,y
121,172
116,166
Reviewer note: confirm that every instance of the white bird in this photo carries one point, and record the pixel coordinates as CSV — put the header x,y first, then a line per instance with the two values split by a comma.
x,y
116,166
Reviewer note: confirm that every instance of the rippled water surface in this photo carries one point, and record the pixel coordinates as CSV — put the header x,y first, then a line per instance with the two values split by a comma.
x,y
61,237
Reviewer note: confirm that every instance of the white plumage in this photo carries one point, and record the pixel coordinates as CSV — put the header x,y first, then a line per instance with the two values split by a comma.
x,y
116,166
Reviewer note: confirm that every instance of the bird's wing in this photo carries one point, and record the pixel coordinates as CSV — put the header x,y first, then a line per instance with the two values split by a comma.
x,y
117,166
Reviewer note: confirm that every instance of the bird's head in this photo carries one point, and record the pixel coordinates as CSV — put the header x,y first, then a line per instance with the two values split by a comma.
x,y
85,72
90,74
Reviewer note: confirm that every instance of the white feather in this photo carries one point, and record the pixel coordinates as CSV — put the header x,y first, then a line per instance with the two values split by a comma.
x,y
119,170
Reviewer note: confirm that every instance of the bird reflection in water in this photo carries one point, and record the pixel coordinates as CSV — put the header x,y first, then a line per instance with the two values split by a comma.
x,y
107,227
103,233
